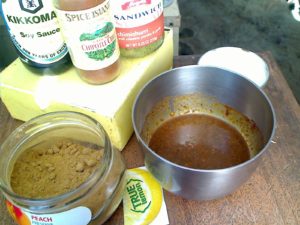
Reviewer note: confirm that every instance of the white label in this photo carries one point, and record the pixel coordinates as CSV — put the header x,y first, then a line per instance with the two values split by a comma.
x,y
77,216
33,27
90,36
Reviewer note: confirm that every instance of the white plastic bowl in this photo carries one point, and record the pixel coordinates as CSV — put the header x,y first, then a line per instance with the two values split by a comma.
x,y
240,61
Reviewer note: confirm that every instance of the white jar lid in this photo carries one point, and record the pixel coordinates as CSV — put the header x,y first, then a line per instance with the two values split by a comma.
x,y
240,61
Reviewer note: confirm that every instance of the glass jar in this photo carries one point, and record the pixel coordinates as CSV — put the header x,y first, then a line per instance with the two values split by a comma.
x,y
91,38
94,201
139,25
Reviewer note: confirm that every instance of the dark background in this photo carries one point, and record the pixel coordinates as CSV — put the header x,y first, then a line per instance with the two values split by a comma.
x,y
256,25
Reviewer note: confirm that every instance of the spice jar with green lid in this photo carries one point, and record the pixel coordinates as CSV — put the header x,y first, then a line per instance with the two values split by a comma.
x,y
42,160
139,25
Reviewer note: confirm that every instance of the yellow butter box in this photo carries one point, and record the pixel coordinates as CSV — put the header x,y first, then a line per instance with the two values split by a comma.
x,y
27,94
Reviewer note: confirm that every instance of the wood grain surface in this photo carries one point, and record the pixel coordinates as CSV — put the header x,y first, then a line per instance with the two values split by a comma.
x,y
270,196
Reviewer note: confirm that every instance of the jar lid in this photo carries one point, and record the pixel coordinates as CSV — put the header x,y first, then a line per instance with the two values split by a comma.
x,y
240,61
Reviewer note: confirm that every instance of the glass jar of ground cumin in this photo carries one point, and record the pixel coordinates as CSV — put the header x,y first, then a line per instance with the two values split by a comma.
x,y
60,168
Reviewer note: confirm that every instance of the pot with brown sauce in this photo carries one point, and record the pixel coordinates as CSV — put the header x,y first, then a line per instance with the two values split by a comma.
x,y
202,130
200,133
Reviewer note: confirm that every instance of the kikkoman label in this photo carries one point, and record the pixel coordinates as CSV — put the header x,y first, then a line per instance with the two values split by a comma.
x,y
34,30
143,202
77,216
90,36
138,22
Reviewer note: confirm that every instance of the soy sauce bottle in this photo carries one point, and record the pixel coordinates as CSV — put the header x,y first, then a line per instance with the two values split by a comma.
x,y
35,33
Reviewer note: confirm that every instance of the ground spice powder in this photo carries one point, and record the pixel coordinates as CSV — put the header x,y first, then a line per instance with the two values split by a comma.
x,y
42,172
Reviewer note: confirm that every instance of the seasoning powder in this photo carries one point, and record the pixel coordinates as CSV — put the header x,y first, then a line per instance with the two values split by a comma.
x,y
43,173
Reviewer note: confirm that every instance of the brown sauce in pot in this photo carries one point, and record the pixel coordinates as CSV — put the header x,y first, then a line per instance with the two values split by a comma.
x,y
199,141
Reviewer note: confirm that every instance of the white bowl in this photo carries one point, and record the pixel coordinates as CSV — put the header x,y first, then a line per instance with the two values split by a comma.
x,y
240,61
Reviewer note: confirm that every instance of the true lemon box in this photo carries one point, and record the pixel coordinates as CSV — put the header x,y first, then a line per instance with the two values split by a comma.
x,y
27,94
143,201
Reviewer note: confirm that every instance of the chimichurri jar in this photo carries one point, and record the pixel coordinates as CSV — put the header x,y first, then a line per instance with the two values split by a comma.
x,y
139,26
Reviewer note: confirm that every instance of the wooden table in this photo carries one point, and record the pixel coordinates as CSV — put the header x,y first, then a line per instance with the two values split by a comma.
x,y
271,195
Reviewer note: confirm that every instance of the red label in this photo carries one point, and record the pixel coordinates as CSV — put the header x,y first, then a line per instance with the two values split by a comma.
x,y
141,36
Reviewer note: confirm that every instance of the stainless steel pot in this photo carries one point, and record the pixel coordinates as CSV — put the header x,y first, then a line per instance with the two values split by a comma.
x,y
228,88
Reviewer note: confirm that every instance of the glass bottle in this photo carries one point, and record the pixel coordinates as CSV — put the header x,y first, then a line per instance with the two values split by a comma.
x,y
91,38
34,31
139,26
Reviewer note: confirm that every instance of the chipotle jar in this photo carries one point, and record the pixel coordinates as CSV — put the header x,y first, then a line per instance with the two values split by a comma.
x,y
91,38
139,25
60,168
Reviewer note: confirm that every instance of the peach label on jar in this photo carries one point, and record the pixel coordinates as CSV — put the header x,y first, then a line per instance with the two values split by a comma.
x,y
77,216
138,22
